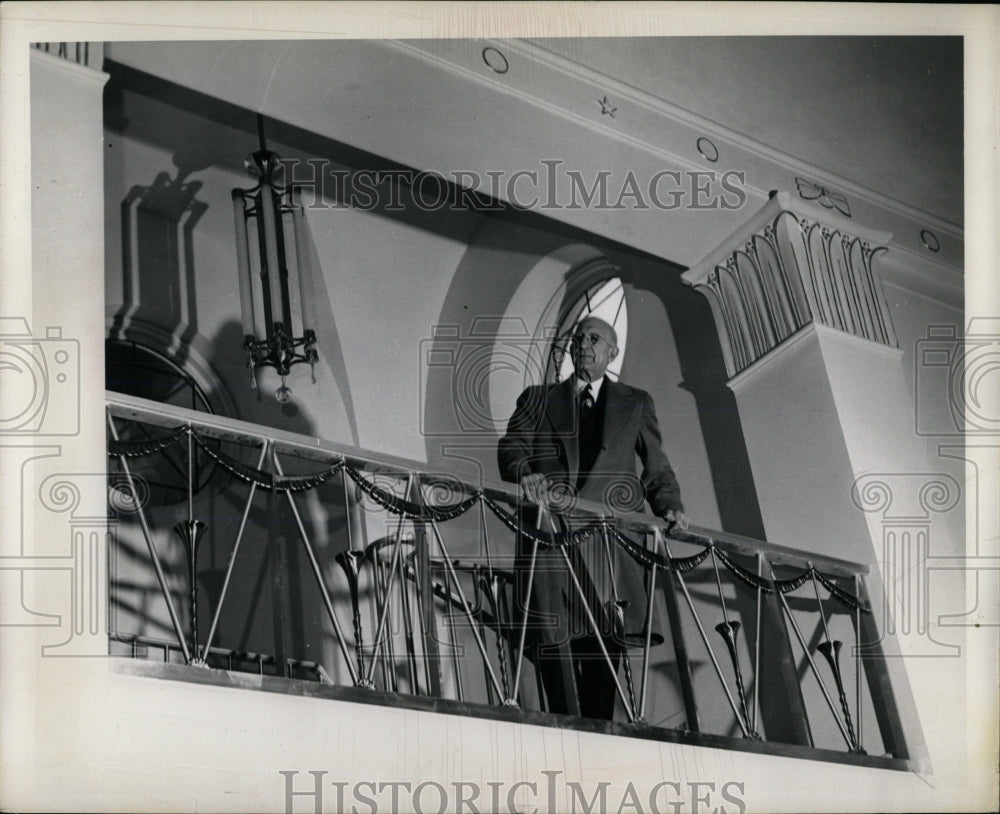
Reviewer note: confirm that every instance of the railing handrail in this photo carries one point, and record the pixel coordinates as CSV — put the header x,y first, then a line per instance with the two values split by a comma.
x,y
224,428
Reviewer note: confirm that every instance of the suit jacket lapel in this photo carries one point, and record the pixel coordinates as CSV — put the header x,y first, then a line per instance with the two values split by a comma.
x,y
617,411
560,409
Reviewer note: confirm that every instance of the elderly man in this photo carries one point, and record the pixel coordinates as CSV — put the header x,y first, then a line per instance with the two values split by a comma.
x,y
582,437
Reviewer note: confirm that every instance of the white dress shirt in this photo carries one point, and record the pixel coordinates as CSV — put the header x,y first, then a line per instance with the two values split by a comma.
x,y
595,386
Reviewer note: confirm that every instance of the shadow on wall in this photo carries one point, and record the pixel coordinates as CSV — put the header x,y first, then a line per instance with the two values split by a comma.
x,y
328,341
157,223
703,374
153,229
273,604
158,230
158,219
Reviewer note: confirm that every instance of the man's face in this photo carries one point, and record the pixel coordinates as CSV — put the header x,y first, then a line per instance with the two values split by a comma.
x,y
594,345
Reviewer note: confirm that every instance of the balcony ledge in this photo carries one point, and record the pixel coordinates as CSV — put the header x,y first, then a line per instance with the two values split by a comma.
x,y
206,676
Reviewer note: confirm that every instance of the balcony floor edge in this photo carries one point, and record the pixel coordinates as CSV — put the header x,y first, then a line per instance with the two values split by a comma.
x,y
207,676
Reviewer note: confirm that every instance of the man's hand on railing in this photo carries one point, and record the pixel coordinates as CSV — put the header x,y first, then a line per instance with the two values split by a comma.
x,y
535,488
676,521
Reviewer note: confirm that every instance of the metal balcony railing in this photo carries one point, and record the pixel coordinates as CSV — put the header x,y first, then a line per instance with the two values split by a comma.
x,y
743,642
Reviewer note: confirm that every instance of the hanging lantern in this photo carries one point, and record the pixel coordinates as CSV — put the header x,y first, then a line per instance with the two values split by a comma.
x,y
264,216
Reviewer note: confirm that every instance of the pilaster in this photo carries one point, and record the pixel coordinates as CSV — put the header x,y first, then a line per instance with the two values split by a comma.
x,y
64,527
814,363
830,425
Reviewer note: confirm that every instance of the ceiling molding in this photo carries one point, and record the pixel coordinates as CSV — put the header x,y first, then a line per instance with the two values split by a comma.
x,y
700,123
461,113
503,85
782,201
914,272
670,124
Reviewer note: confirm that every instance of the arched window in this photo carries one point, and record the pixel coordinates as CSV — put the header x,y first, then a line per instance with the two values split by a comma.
x,y
604,299
136,369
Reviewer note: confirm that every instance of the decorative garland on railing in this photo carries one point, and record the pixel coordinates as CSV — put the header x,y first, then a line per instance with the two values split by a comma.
x,y
420,513
145,446
249,474
786,586
423,513
678,565
745,576
543,538
849,599
268,480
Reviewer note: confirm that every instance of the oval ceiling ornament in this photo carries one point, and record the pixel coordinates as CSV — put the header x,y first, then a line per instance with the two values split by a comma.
x,y
707,149
495,60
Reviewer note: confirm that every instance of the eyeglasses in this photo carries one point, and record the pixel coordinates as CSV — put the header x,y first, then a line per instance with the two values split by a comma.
x,y
589,338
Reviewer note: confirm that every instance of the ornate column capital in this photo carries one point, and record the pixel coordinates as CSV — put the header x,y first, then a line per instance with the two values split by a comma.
x,y
792,263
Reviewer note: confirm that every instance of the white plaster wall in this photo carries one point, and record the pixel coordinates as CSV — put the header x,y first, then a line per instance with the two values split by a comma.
x,y
925,301
147,744
801,467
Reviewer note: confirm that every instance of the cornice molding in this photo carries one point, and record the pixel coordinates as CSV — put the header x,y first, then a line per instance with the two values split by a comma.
x,y
914,272
781,201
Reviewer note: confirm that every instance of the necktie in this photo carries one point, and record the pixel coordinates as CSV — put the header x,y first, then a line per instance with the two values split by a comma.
x,y
589,434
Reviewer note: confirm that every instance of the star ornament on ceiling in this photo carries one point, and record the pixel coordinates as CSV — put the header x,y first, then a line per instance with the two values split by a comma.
x,y
607,109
